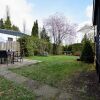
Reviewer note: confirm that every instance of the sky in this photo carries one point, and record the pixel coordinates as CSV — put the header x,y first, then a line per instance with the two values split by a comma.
x,y
27,11
76,10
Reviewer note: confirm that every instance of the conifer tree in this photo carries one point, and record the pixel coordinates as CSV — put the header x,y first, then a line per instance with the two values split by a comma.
x,y
87,53
44,35
8,21
84,39
35,30
36,26
1,24
15,28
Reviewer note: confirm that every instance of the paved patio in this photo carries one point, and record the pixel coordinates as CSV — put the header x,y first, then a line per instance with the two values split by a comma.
x,y
25,62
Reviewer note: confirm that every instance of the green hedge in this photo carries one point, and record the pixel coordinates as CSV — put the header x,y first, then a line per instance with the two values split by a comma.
x,y
34,46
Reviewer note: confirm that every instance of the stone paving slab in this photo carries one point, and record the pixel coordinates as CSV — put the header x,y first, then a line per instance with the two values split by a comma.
x,y
10,76
13,77
20,79
4,72
32,84
46,91
64,96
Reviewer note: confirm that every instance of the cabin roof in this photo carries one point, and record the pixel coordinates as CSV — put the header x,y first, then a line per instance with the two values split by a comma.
x,y
11,32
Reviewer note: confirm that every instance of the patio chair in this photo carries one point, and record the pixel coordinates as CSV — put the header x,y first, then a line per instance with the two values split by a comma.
x,y
18,56
3,57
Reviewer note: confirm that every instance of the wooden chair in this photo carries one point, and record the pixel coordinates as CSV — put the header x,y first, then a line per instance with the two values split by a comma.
x,y
18,56
3,56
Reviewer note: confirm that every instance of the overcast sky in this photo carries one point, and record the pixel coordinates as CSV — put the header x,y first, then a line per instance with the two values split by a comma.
x,y
78,11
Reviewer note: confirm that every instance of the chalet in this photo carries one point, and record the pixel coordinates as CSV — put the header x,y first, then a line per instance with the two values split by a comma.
x,y
9,35
8,40
96,23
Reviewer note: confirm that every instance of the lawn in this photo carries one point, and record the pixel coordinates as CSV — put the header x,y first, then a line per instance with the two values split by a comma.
x,y
11,91
53,69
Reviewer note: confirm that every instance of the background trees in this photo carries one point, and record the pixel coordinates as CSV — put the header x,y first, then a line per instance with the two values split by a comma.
x,y
52,35
58,27
7,24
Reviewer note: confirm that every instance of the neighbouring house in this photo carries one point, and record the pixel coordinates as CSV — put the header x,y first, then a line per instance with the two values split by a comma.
x,y
96,23
8,39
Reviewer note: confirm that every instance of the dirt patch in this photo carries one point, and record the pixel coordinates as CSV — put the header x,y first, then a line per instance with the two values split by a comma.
x,y
83,86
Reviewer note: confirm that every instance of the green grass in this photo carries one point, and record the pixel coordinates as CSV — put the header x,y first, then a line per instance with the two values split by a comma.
x,y
53,69
11,91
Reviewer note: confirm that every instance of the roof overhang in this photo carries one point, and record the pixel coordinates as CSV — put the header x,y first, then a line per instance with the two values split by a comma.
x,y
10,32
86,29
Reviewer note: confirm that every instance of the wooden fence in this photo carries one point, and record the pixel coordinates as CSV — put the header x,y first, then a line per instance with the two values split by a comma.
x,y
10,45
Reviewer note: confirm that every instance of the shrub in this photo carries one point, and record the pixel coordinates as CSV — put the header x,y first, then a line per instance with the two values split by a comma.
x,y
69,48
44,54
77,47
40,46
57,49
36,52
26,46
77,53
87,54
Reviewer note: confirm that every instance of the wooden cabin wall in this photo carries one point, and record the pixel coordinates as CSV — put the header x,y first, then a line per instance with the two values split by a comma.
x,y
10,45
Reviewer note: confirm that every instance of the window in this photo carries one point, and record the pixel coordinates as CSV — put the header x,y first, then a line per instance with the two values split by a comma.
x,y
10,39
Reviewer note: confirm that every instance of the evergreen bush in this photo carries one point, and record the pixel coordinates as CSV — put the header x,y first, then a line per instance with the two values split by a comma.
x,y
87,54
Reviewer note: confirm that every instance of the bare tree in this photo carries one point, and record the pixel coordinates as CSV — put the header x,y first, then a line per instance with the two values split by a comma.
x,y
59,28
